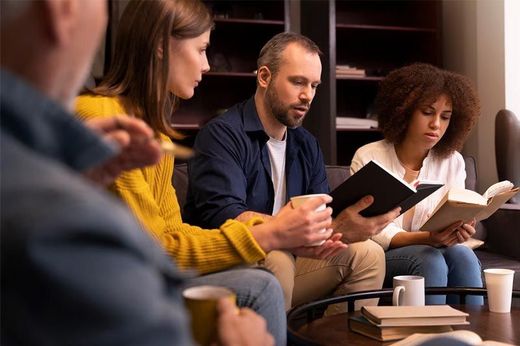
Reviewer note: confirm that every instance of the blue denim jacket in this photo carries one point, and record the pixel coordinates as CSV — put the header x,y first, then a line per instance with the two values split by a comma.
x,y
231,172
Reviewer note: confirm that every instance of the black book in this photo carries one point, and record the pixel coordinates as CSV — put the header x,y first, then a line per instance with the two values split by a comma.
x,y
388,190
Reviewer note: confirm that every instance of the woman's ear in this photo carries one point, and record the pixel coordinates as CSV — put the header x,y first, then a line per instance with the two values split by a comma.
x,y
159,51
263,76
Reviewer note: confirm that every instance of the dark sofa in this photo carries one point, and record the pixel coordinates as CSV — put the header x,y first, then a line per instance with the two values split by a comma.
x,y
501,232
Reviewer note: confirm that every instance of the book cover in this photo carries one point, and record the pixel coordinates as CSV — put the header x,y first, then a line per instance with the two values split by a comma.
x,y
361,325
388,190
429,315
466,205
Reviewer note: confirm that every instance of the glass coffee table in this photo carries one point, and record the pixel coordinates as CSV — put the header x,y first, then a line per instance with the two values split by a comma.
x,y
307,326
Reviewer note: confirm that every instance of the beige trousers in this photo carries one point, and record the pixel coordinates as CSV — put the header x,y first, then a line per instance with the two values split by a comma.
x,y
360,267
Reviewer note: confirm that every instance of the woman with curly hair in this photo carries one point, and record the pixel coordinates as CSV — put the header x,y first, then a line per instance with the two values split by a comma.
x,y
425,114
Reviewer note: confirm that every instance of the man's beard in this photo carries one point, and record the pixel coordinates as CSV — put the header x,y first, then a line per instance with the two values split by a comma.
x,y
281,112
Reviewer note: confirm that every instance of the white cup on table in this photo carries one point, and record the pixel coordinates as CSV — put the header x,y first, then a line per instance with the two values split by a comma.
x,y
408,290
299,200
499,285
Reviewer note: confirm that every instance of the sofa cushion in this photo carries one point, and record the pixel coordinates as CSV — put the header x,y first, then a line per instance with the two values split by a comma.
x,y
494,260
336,175
471,173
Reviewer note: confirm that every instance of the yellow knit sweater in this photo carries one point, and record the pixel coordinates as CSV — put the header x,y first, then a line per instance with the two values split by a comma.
x,y
151,197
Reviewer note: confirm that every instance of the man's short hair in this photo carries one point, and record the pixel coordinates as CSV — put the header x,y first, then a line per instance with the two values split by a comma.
x,y
271,52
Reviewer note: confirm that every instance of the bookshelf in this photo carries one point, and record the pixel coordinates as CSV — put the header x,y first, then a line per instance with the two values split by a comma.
x,y
241,29
375,36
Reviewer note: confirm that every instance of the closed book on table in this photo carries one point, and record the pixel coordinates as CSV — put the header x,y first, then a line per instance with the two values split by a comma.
x,y
429,315
389,191
361,325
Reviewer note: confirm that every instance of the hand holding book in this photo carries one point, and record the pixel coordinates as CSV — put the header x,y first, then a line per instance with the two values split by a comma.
x,y
388,190
456,233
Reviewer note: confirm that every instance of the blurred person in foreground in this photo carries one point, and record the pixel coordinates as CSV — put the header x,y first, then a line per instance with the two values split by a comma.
x,y
76,267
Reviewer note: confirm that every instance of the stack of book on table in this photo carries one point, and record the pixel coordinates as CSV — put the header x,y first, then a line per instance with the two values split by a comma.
x,y
385,323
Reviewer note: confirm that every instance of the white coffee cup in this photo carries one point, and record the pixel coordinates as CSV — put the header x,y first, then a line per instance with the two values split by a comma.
x,y
408,290
499,285
299,200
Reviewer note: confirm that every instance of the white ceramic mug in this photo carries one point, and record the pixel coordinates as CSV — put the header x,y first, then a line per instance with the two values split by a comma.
x,y
499,285
408,290
299,200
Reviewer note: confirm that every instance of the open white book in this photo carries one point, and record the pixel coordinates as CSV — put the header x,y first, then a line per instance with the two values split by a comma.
x,y
466,336
466,205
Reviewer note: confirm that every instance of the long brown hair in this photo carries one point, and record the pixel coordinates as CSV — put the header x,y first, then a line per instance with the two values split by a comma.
x,y
137,72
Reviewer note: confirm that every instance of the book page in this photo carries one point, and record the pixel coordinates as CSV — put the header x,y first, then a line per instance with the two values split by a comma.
x,y
495,203
466,196
495,189
451,212
467,336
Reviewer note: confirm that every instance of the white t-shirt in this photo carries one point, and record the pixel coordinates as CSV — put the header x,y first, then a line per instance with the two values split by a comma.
x,y
276,151
450,171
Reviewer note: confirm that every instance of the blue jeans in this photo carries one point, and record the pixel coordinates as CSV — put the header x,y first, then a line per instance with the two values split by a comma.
x,y
256,289
455,266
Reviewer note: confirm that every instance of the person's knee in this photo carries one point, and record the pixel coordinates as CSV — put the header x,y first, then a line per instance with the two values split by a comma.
x,y
280,262
262,279
462,256
367,254
431,264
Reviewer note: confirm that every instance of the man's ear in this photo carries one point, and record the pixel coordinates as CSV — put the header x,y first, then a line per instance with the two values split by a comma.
x,y
263,76
60,19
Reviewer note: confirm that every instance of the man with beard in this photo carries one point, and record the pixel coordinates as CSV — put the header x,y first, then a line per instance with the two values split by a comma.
x,y
256,156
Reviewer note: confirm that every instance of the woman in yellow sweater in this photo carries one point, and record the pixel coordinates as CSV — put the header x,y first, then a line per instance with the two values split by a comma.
x,y
160,56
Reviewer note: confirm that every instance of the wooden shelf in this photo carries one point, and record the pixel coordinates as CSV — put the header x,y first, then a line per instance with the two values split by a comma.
x,y
356,129
249,21
186,126
385,28
362,78
376,36
231,57
230,74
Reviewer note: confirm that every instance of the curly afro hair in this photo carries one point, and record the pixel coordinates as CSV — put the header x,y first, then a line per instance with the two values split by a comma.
x,y
409,87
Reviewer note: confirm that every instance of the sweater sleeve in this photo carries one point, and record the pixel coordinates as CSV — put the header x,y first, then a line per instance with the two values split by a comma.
x,y
148,192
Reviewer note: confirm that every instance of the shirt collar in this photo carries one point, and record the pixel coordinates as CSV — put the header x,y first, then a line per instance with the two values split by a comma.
x,y
47,128
252,121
